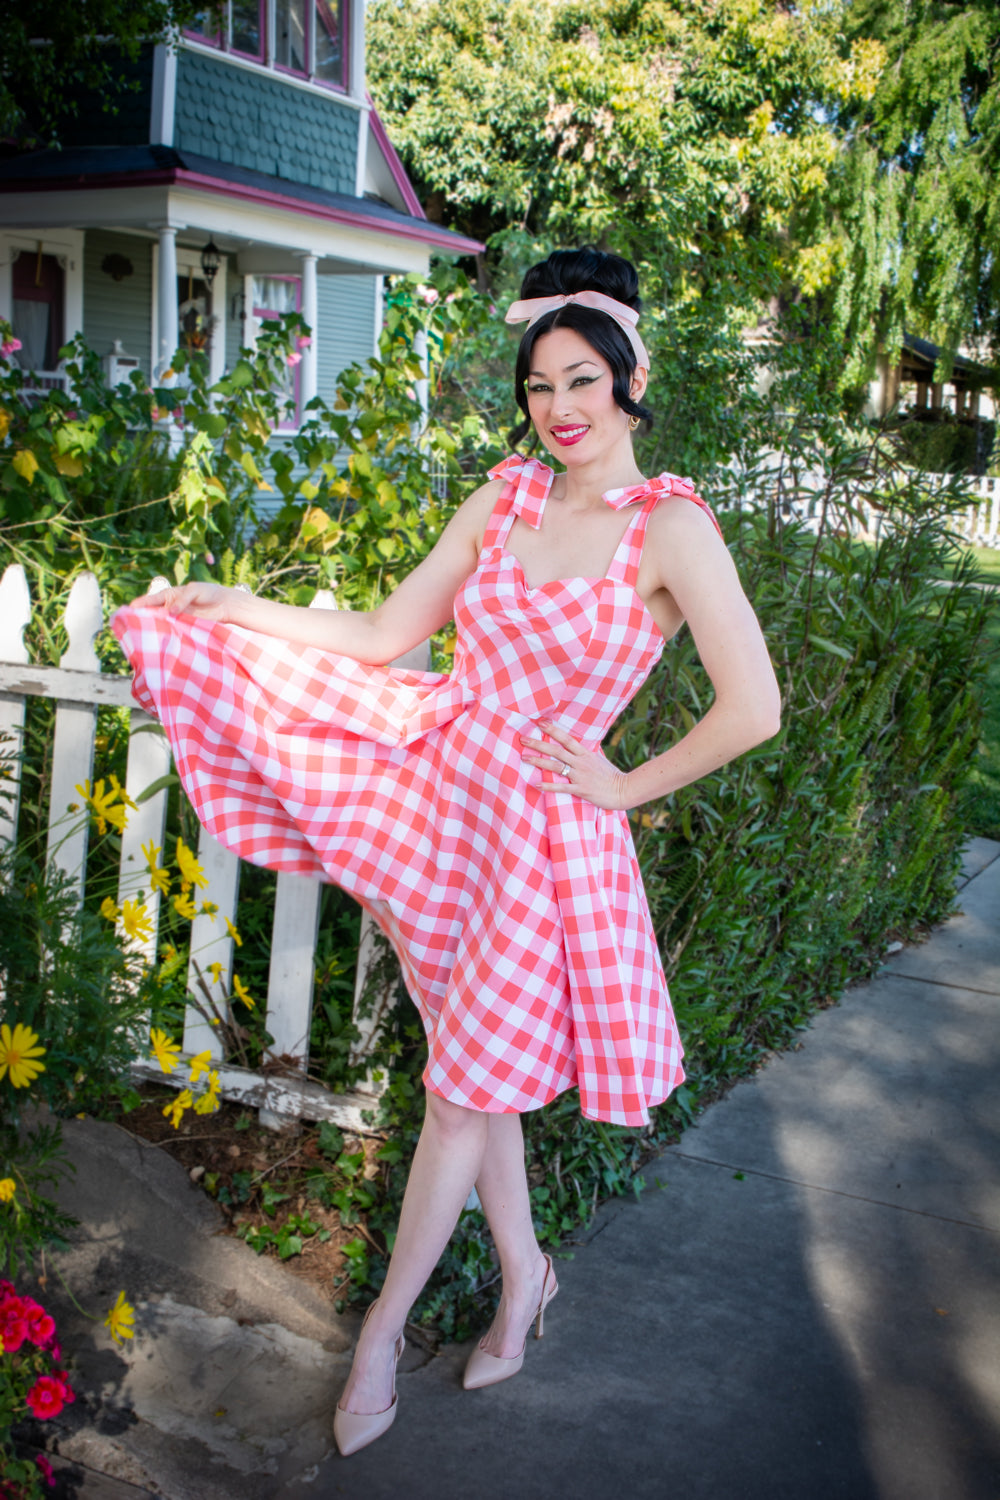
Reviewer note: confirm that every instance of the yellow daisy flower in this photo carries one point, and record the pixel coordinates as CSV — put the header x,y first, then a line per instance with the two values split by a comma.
x,y
136,920
240,992
209,1101
163,1049
159,878
191,871
234,934
185,907
117,790
19,1050
175,1109
200,1063
109,909
8,1187
120,1320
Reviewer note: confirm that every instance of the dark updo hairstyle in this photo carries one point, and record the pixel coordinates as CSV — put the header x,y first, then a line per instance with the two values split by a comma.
x,y
583,270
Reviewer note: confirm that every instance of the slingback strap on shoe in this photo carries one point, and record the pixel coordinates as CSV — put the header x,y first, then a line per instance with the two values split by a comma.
x,y
356,1429
489,1369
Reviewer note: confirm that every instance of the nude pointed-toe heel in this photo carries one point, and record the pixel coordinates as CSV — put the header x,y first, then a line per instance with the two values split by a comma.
x,y
489,1369
353,1430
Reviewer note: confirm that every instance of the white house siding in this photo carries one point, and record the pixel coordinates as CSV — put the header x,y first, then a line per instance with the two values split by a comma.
x,y
233,326
118,309
346,333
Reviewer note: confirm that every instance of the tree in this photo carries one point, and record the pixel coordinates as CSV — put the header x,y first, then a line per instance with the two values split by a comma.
x,y
51,54
917,218
824,169
697,138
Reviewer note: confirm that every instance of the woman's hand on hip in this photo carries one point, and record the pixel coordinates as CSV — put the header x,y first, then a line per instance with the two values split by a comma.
x,y
209,601
584,773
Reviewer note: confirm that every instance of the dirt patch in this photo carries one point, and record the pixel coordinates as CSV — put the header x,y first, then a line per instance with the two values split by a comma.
x,y
275,1188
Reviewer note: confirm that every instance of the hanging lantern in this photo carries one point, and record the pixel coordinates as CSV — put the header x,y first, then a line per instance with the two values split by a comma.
x,y
211,260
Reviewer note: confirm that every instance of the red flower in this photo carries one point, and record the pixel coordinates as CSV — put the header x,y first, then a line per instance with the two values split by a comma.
x,y
47,1397
13,1323
41,1325
46,1468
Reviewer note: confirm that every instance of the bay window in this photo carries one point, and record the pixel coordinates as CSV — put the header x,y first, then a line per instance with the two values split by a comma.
x,y
307,37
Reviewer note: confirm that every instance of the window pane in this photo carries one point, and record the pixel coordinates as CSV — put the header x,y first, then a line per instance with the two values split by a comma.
x,y
275,294
329,42
248,33
290,41
206,25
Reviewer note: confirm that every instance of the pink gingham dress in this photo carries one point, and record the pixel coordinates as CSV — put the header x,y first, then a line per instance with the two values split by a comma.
x,y
518,915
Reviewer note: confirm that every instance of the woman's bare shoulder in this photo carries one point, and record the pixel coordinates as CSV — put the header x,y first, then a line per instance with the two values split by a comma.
x,y
474,513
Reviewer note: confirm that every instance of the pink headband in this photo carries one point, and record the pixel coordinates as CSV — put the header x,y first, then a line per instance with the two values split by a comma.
x,y
532,308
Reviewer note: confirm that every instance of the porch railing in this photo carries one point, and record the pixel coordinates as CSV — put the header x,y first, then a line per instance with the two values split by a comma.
x,y
280,1090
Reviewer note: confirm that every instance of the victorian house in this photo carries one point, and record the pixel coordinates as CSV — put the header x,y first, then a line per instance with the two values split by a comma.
x,y
244,173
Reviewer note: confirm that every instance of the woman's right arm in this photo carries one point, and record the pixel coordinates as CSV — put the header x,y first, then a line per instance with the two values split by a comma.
x,y
421,605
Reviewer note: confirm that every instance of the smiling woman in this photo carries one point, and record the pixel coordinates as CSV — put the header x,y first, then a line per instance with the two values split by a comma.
x,y
475,815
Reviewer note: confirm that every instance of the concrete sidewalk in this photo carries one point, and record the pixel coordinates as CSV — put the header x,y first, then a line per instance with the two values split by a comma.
x,y
804,1305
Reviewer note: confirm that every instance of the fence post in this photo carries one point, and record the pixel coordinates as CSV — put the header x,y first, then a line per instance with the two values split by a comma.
x,y
75,733
15,615
291,973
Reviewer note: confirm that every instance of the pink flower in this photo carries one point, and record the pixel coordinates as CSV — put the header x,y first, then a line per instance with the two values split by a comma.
x,y
428,294
294,358
10,346
303,341
13,1324
41,1325
47,1471
179,415
210,559
47,1397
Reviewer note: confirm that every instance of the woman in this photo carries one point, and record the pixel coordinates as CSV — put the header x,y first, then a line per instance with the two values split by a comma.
x,y
475,815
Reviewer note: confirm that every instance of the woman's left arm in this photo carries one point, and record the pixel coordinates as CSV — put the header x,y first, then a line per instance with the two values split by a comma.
x,y
690,562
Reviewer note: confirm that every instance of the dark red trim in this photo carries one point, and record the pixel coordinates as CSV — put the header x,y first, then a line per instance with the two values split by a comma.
x,y
423,230
396,167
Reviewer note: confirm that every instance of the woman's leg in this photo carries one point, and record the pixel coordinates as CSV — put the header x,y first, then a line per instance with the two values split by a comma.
x,y
502,1186
446,1163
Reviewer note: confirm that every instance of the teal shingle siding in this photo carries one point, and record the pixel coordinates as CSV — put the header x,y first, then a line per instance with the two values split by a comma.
x,y
346,306
91,124
259,121
118,309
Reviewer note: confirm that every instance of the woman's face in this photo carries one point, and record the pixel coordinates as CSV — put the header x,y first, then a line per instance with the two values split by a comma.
x,y
570,397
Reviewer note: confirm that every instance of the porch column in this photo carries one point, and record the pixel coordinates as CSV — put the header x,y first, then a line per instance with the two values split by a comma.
x,y
310,311
166,301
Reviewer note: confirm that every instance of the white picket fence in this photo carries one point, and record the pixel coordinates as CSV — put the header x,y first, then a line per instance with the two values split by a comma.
x,y
978,524
280,1091
982,521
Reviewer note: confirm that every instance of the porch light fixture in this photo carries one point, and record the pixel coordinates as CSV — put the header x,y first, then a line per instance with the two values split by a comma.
x,y
211,260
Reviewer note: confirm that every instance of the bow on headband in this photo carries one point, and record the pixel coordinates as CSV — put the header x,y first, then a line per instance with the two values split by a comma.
x,y
532,308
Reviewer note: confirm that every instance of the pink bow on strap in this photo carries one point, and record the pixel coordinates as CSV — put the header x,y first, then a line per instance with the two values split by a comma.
x,y
532,308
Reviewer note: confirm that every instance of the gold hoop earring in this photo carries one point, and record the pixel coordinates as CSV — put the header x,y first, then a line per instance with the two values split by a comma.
x,y
633,423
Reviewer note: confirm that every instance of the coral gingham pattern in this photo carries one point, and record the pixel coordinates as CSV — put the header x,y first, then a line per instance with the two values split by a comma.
x,y
519,916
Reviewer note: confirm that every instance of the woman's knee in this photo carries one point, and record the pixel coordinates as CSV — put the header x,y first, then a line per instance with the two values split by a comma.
x,y
454,1119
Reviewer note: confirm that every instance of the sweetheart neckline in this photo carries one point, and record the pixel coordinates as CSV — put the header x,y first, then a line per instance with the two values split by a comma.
x,y
579,578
